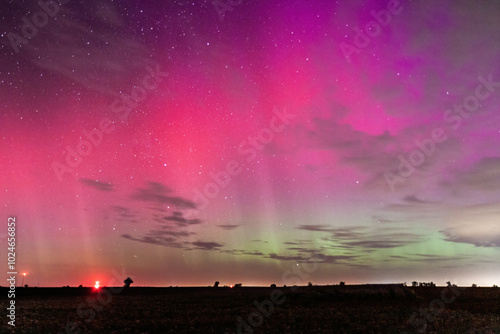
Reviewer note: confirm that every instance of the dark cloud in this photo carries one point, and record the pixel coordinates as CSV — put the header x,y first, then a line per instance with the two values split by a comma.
x,y
179,220
275,256
377,155
123,214
323,258
437,258
301,249
313,257
173,234
316,228
168,215
207,245
242,252
169,239
158,240
415,200
363,237
410,208
383,239
384,220
157,193
377,243
97,184
228,226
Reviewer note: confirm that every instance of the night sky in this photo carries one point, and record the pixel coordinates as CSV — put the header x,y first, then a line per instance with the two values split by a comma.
x,y
182,143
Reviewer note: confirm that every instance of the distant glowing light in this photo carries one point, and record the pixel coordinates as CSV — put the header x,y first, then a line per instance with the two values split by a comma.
x,y
231,286
24,274
96,285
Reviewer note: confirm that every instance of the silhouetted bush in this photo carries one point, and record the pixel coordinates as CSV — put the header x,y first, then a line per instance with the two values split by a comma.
x,y
127,282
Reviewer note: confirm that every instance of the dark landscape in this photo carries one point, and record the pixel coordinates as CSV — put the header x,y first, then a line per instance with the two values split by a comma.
x,y
304,309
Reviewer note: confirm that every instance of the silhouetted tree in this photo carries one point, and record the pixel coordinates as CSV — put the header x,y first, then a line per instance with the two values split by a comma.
x,y
309,284
474,285
216,284
127,282
273,285
25,285
238,285
342,283
414,283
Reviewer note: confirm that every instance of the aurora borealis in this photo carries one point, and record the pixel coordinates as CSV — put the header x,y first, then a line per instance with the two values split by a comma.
x,y
182,143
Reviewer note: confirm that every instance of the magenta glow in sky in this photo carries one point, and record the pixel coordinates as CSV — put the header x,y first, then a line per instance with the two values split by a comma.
x,y
183,144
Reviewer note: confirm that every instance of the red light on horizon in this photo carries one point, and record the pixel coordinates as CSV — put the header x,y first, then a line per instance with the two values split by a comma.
x,y
96,285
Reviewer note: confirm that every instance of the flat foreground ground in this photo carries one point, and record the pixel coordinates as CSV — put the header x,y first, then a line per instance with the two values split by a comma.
x,y
322,309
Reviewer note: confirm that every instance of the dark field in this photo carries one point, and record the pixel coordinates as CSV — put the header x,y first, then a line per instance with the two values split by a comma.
x,y
318,309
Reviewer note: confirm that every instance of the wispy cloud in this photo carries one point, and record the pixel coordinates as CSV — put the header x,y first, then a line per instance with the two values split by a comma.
x,y
275,256
157,240
157,193
482,176
171,228
90,55
97,184
206,245
178,219
316,228
315,256
242,252
363,237
228,226
476,225
171,239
